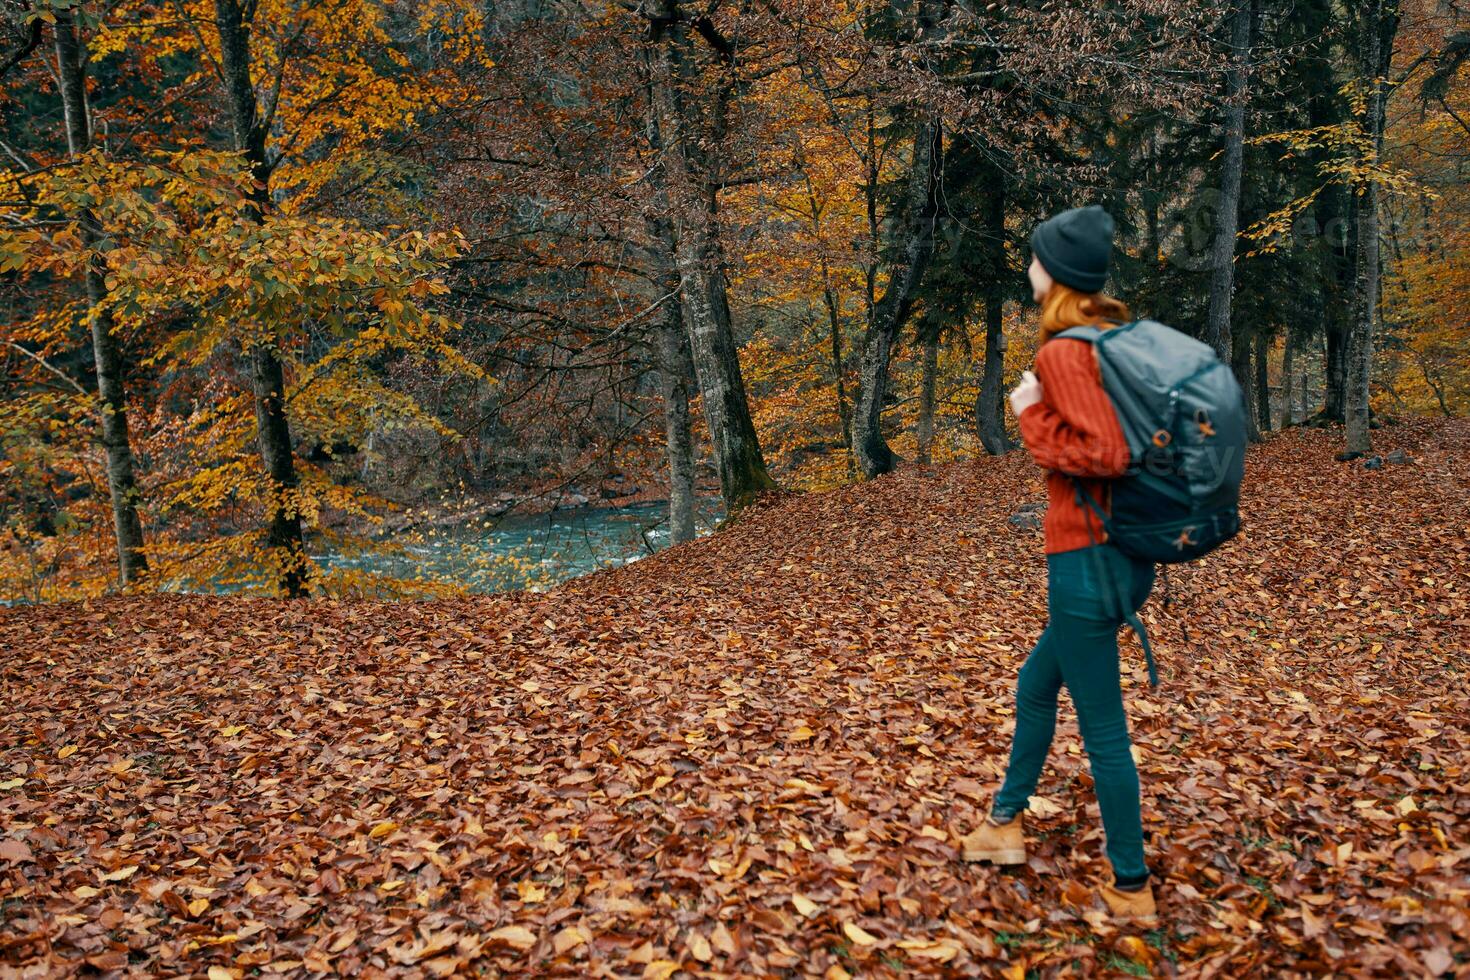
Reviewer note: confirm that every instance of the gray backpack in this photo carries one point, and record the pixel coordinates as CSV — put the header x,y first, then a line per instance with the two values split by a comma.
x,y
1183,415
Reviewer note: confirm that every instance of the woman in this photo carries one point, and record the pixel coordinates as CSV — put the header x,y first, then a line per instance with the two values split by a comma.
x,y
1070,427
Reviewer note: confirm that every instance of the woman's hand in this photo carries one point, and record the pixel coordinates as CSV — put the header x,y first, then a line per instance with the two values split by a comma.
x,y
1026,394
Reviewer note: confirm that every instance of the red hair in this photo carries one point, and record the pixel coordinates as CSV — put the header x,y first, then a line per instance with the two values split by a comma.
x,y
1066,307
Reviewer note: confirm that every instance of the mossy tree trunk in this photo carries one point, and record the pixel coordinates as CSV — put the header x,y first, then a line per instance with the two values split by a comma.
x,y
691,191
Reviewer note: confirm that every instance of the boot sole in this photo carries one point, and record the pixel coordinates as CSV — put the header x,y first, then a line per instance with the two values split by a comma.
x,y
1002,856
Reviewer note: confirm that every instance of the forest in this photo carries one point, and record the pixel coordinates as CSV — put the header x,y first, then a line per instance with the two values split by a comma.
x,y
281,277
542,488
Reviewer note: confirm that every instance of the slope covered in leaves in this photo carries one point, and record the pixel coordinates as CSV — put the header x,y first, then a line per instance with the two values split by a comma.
x,y
753,754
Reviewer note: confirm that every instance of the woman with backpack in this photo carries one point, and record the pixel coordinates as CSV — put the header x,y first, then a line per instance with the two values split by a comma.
x,y
1070,426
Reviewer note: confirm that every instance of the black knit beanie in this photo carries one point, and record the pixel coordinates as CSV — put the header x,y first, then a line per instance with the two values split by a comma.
x,y
1075,246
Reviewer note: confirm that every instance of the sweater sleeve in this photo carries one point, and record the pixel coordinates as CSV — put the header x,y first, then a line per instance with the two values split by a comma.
x,y
1073,429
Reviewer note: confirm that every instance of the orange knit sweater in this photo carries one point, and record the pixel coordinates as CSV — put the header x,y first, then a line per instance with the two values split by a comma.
x,y
1073,431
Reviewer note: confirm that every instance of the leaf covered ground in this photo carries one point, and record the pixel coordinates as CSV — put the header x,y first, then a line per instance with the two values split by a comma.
x,y
753,755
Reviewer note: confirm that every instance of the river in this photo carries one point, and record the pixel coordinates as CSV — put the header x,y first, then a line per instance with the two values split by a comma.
x,y
526,551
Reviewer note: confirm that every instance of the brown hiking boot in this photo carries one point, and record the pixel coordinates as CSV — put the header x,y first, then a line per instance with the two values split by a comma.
x,y
1136,907
997,843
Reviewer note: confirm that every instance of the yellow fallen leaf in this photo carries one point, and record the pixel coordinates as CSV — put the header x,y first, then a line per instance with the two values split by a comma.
x,y
857,934
530,892
835,972
1406,806
1042,807
569,938
383,829
16,783
800,734
198,907
1137,950
699,947
66,752
222,973
517,937
942,950
805,905
120,766
659,970
722,940
230,731
86,891
121,874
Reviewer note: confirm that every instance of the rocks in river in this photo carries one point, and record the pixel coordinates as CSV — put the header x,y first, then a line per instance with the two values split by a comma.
x,y
612,493
570,498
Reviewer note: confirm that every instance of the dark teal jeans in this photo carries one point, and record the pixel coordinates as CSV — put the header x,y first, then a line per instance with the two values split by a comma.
x,y
1079,648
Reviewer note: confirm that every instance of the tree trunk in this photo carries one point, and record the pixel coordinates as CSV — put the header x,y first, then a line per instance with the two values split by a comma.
x,y
1263,381
990,418
915,239
927,382
1222,253
1240,365
1334,373
268,379
834,324
1287,381
834,318
122,483
676,372
1377,56
699,258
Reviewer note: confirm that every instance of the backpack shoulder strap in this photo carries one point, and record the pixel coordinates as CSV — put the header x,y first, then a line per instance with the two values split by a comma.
x,y
1085,332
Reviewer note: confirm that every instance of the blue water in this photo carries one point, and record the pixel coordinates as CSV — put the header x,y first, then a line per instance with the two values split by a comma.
x,y
526,552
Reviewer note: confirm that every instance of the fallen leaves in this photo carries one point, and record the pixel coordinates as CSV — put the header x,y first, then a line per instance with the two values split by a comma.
x,y
517,937
119,874
15,851
755,755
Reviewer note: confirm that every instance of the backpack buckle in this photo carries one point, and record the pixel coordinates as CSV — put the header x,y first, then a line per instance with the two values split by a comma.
x,y
1202,419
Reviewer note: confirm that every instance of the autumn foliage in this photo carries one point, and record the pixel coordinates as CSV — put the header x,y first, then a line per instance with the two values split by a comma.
x,y
753,754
